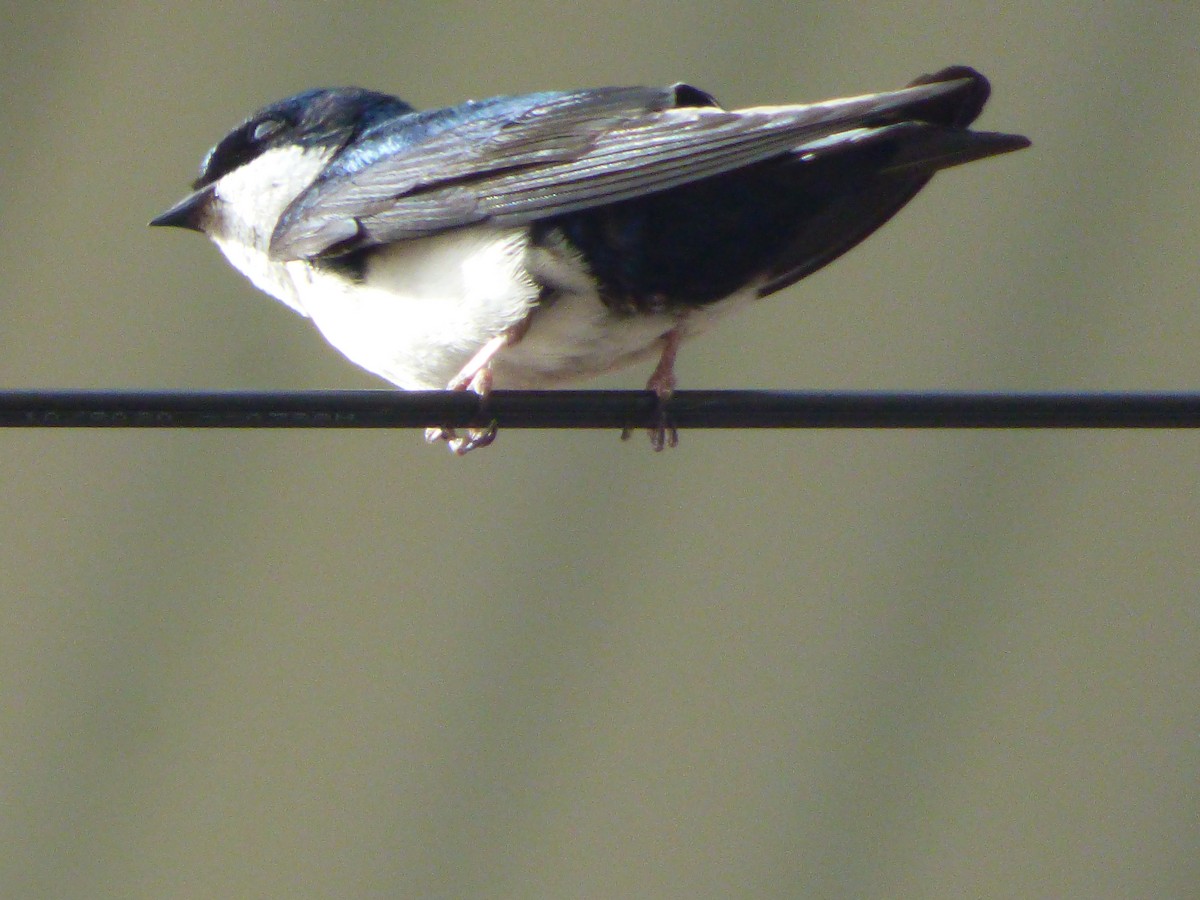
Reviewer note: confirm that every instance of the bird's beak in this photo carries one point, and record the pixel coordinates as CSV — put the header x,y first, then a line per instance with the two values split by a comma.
x,y
188,212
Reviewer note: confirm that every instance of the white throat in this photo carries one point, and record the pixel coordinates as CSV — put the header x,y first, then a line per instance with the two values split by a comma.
x,y
249,202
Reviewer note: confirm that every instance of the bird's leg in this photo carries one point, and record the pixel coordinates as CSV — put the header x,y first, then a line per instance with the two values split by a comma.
x,y
481,384
662,382
476,376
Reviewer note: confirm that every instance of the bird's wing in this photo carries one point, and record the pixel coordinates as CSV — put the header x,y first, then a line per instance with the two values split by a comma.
x,y
510,161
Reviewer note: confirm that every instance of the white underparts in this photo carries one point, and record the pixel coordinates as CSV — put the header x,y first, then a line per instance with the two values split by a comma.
x,y
427,306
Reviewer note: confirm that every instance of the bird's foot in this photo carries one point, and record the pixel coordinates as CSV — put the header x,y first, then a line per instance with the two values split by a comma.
x,y
480,382
663,432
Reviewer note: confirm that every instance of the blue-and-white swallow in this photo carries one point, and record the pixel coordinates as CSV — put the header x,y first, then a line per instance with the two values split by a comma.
x,y
530,240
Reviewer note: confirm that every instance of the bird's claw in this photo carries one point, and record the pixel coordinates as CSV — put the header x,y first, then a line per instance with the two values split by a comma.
x,y
460,445
663,432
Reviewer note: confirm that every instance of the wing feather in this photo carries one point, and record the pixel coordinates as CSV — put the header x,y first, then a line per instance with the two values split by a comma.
x,y
514,160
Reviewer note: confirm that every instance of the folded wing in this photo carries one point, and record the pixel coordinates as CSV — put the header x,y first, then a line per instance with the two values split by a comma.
x,y
511,161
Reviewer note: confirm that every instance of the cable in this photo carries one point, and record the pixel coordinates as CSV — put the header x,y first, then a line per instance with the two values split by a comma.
x,y
592,409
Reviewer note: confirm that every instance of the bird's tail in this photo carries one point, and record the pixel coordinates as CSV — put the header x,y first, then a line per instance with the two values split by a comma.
x,y
951,144
882,163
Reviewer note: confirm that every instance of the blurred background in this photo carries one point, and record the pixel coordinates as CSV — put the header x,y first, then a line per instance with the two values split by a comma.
x,y
768,664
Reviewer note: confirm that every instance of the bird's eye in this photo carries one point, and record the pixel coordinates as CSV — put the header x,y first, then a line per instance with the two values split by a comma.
x,y
266,129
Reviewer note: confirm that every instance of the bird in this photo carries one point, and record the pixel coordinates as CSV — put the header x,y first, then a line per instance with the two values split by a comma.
x,y
528,241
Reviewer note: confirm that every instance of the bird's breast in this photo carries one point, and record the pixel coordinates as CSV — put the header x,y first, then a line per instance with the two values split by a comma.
x,y
416,312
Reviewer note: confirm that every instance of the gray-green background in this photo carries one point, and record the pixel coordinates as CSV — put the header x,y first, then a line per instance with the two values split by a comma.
x,y
774,664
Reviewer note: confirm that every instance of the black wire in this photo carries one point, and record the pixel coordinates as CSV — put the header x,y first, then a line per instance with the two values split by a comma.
x,y
592,409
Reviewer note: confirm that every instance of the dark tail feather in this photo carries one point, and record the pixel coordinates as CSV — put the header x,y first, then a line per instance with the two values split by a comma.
x,y
925,147
908,147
